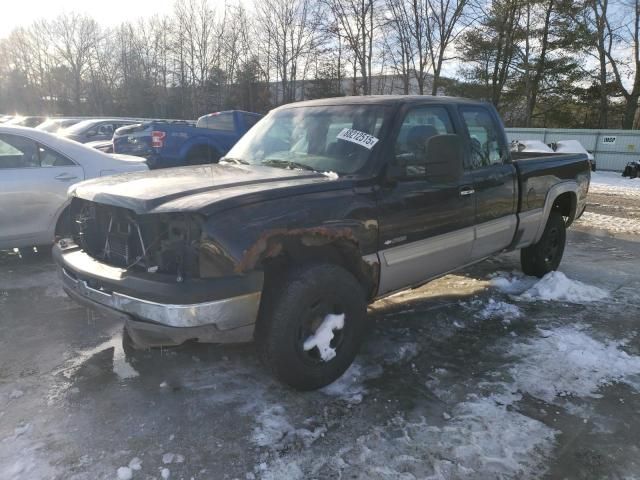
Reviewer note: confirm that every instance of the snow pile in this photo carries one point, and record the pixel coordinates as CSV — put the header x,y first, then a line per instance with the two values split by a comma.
x,y
567,361
556,286
321,339
513,283
499,309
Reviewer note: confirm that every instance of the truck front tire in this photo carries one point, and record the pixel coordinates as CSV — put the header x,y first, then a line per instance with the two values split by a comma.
x,y
546,255
292,310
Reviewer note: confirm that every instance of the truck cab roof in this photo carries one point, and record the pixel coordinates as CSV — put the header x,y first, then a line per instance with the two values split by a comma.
x,y
384,100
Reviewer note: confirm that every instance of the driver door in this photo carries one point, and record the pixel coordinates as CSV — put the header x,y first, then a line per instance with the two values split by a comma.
x,y
425,225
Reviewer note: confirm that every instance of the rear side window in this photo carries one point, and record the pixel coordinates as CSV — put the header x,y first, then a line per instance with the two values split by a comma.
x,y
420,124
484,137
51,158
221,121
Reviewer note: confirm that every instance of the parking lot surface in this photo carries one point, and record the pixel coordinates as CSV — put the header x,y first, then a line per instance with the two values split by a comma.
x,y
480,374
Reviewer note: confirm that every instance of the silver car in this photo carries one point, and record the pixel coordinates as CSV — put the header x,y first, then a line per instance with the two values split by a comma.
x,y
36,170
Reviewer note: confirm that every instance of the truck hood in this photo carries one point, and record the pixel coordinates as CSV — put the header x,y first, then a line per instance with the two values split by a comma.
x,y
198,188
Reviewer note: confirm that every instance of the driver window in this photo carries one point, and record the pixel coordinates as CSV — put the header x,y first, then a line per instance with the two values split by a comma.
x,y
419,125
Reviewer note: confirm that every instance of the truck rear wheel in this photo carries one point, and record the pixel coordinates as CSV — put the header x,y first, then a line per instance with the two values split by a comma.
x,y
311,325
546,255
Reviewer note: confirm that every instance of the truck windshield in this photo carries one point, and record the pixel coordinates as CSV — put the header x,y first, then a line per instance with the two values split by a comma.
x,y
336,139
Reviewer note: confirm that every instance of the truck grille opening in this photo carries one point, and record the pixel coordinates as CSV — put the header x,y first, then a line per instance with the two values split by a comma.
x,y
162,243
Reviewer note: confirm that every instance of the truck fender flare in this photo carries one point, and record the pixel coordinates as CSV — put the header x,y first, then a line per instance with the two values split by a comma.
x,y
554,192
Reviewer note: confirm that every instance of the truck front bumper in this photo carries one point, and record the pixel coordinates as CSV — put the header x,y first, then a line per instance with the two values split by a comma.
x,y
156,308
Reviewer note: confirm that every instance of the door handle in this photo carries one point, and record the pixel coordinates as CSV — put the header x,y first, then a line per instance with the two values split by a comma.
x,y
464,191
65,177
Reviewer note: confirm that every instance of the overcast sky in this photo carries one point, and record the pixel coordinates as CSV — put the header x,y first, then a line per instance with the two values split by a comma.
x,y
16,13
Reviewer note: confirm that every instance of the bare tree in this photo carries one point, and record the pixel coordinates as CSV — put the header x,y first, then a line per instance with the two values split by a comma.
x,y
74,38
443,20
292,30
356,21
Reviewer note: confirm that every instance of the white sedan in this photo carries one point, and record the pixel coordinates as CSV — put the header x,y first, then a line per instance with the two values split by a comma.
x,y
36,170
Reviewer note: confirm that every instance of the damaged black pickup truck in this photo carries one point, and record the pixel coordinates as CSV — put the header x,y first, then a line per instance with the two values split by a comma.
x,y
318,210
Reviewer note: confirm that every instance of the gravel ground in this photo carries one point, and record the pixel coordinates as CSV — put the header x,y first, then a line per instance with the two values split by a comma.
x,y
474,375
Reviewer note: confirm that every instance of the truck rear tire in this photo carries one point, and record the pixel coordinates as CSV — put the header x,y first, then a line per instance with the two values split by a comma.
x,y
293,308
546,255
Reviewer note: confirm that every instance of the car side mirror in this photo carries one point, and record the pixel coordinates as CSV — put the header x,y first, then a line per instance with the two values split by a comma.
x,y
445,158
91,133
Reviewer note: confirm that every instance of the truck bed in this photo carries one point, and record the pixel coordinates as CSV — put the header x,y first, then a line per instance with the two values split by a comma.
x,y
538,171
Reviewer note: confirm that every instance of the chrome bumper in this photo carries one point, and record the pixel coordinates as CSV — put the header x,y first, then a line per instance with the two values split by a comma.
x,y
224,314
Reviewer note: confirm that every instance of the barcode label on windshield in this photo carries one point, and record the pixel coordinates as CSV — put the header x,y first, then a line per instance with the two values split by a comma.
x,y
356,136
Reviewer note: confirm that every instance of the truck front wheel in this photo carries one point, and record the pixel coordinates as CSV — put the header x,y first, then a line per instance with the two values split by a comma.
x,y
545,256
311,325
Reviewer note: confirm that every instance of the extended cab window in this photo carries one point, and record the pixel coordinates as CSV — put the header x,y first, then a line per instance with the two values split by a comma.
x,y
419,125
484,136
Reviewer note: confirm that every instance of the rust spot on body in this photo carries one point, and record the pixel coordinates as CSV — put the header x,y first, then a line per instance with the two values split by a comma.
x,y
270,243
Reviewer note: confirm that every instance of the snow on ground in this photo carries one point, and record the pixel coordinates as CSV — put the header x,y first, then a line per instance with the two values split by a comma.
x,y
629,226
614,183
567,361
350,386
274,430
483,438
124,473
498,309
554,286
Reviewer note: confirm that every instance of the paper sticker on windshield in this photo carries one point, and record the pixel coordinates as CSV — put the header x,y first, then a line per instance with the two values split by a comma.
x,y
356,136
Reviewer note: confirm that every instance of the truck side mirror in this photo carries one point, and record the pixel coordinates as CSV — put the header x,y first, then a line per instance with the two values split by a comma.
x,y
445,158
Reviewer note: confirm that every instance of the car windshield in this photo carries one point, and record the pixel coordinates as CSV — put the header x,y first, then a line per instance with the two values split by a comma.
x,y
336,139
